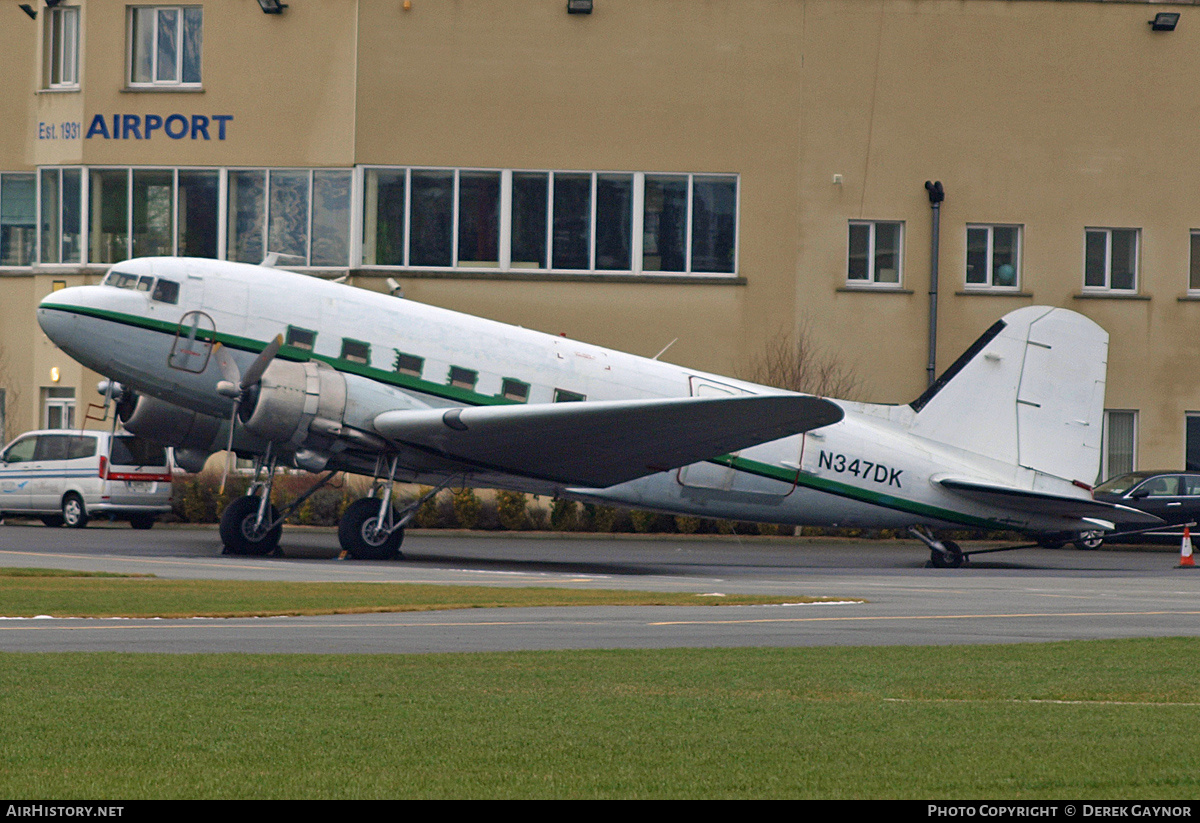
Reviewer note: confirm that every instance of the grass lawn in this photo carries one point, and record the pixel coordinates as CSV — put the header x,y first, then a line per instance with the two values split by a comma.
x,y
31,592
1086,720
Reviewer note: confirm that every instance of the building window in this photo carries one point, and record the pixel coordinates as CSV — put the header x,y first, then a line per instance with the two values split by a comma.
x,y
1192,442
18,219
993,257
1110,259
1194,267
301,215
875,253
61,47
164,46
61,237
1119,453
567,221
58,408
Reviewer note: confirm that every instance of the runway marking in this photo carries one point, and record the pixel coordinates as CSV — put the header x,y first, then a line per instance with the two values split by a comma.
x,y
281,620
919,617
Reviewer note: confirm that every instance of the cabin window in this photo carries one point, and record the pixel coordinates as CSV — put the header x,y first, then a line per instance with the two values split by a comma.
x,y
166,291
300,338
408,364
463,378
564,396
514,390
356,351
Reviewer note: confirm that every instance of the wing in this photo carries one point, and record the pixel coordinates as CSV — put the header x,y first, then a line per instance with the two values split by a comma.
x,y
1045,503
600,444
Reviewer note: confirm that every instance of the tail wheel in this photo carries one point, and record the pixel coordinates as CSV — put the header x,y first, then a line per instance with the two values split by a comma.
x,y
360,536
74,513
951,558
240,532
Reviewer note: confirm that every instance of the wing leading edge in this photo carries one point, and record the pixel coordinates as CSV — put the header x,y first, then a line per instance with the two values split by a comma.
x,y
603,443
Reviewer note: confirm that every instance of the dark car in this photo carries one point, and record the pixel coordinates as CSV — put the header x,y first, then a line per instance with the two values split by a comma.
x,y
1172,495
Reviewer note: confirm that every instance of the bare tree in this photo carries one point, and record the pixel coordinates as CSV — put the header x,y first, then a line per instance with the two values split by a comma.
x,y
792,360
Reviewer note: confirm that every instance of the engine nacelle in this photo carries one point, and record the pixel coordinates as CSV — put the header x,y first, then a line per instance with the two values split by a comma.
x,y
176,426
290,397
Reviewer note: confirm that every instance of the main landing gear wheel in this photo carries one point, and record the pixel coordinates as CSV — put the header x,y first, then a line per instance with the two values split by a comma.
x,y
952,558
239,532
1090,540
361,537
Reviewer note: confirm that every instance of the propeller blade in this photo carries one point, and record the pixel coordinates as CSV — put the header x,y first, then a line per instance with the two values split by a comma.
x,y
229,448
255,372
228,366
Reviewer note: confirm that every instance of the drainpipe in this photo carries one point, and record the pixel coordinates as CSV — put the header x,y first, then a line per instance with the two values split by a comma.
x,y
936,195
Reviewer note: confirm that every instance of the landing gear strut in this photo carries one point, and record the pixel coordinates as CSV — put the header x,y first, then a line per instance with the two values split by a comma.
x,y
371,528
251,525
943,554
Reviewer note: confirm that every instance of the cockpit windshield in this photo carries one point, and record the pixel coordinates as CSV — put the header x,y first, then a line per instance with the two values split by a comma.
x,y
162,290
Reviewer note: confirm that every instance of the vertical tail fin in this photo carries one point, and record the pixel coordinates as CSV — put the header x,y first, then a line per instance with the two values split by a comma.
x,y
1029,391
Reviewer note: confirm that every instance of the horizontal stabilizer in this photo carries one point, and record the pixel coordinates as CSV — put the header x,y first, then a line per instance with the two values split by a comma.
x,y
1038,502
602,443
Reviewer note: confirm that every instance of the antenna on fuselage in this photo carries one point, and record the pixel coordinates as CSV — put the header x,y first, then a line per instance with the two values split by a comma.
x,y
664,349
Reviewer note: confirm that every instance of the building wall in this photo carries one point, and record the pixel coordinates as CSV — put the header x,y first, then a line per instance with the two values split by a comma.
x,y
1051,116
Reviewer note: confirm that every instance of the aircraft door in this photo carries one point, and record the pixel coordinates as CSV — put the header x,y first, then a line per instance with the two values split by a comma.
x,y
193,342
721,476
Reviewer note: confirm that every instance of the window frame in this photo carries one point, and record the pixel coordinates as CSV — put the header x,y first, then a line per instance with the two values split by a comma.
x,y
1106,447
1193,285
990,255
872,281
133,33
60,48
1107,233
614,213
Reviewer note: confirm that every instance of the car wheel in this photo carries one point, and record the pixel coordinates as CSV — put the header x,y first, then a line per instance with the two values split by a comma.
x,y
74,514
1090,540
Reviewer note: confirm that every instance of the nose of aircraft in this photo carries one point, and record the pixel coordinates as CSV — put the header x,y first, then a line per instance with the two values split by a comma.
x,y
62,315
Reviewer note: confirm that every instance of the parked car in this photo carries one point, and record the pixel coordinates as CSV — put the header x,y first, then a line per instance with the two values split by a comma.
x,y
1172,495
68,477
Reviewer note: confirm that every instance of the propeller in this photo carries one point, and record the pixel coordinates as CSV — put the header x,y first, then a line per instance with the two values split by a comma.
x,y
237,386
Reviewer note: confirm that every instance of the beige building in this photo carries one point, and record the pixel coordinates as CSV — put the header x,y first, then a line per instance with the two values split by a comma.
x,y
714,172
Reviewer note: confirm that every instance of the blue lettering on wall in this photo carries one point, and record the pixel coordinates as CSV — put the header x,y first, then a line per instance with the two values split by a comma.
x,y
149,126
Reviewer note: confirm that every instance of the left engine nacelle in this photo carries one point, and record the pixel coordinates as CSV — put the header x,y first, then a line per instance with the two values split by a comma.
x,y
176,426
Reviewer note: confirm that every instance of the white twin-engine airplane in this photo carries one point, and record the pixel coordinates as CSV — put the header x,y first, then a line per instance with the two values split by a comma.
x,y
297,371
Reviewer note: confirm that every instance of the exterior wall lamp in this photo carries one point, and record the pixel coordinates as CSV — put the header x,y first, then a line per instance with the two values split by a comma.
x,y
579,6
272,6
1165,21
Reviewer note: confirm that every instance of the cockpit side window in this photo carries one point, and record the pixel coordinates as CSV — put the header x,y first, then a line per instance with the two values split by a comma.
x,y
121,280
166,291
144,283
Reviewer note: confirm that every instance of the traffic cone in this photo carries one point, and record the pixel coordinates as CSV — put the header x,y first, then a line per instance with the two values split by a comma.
x,y
1185,551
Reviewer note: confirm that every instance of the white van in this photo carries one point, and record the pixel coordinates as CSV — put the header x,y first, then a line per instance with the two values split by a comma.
x,y
68,477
